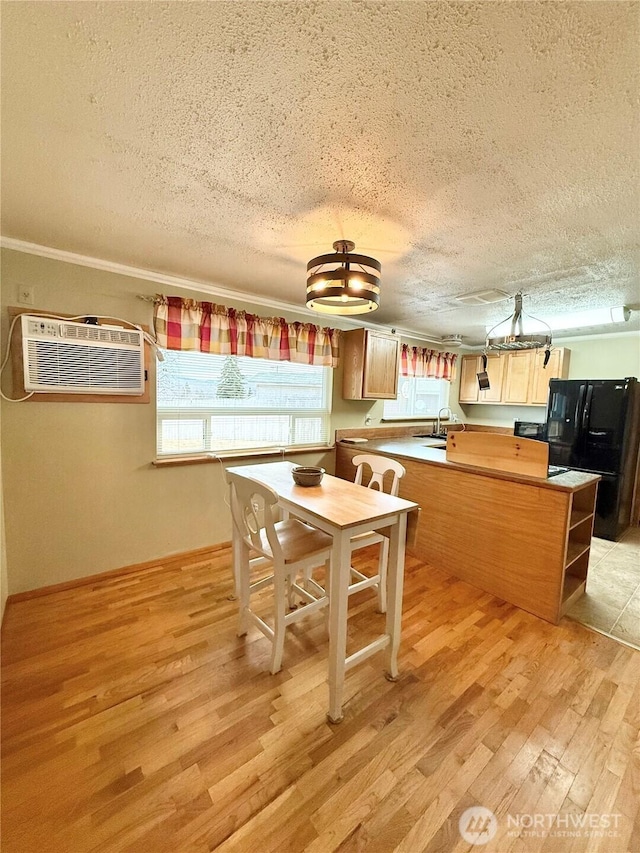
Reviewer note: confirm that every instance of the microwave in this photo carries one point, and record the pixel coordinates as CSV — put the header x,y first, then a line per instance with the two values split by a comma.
x,y
530,429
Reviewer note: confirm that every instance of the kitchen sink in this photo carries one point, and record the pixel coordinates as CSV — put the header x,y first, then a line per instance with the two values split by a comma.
x,y
441,435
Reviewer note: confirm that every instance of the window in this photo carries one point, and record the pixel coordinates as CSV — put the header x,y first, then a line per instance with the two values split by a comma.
x,y
215,403
418,397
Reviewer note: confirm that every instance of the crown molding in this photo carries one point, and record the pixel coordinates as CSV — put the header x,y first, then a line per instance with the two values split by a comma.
x,y
146,275
194,284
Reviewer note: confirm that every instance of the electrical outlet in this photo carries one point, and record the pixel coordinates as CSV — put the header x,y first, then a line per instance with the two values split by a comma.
x,y
26,294
367,421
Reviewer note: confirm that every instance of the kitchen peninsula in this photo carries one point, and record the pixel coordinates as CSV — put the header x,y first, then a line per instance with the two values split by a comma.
x,y
524,539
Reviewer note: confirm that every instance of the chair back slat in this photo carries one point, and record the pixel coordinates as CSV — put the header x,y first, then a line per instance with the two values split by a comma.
x,y
252,511
380,466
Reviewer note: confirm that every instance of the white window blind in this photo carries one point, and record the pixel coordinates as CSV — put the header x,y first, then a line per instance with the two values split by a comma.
x,y
215,403
418,397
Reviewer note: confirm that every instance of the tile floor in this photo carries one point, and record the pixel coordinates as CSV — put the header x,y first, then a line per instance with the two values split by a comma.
x,y
611,604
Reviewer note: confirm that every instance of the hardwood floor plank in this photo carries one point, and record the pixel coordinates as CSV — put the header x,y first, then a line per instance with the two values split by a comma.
x,y
134,719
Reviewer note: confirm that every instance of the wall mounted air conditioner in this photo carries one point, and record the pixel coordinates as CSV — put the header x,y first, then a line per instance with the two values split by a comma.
x,y
77,358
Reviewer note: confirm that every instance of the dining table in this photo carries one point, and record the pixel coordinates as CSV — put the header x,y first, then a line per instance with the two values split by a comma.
x,y
343,509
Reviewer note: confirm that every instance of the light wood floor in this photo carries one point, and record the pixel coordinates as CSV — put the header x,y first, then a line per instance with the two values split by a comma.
x,y
135,720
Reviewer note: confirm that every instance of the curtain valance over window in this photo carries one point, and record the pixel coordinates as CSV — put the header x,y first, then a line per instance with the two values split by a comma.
x,y
417,361
184,324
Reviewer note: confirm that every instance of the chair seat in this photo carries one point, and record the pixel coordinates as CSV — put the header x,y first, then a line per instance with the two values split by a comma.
x,y
298,540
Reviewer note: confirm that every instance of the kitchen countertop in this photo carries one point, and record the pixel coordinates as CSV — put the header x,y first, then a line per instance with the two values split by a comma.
x,y
433,452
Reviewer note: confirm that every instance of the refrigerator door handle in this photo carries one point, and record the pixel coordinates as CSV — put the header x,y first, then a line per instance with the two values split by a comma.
x,y
579,414
586,413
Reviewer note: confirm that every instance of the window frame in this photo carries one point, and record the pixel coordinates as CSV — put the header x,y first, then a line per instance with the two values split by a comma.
x,y
205,414
413,416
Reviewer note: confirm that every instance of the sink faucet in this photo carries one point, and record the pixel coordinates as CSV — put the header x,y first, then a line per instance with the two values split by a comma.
x,y
449,416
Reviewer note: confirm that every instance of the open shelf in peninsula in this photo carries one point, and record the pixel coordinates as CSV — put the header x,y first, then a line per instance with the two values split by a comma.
x,y
581,519
521,538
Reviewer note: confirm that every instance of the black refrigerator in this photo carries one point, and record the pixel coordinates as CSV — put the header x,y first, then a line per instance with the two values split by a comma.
x,y
593,425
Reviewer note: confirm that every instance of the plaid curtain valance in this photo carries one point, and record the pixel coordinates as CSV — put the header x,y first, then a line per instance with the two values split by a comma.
x,y
417,361
184,324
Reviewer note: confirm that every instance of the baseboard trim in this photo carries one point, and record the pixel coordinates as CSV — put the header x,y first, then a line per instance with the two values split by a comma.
x,y
182,557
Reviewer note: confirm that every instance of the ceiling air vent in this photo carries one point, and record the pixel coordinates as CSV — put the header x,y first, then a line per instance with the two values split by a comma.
x,y
482,297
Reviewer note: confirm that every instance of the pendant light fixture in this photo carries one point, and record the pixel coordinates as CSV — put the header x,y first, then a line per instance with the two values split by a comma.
x,y
343,283
513,335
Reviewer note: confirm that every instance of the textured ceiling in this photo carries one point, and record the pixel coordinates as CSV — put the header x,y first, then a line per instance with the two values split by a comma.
x,y
465,145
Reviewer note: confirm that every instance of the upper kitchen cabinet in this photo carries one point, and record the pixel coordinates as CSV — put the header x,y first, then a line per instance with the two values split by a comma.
x,y
371,362
471,366
516,378
557,368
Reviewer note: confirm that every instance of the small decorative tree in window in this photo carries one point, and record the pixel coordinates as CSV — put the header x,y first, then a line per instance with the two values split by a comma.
x,y
232,383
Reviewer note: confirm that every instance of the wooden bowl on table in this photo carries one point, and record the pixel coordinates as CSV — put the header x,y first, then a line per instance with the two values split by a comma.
x,y
307,475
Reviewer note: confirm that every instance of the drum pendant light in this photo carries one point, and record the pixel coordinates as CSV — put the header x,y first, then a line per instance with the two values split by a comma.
x,y
343,283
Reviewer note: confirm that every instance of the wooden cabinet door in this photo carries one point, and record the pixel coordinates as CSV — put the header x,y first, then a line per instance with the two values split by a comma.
x,y
517,377
495,372
540,375
470,365
380,366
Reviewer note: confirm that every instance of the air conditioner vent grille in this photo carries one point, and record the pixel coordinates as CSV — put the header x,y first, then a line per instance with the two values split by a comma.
x,y
83,332
55,365
74,358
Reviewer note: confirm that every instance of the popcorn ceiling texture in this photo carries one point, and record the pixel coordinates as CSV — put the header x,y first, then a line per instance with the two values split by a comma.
x,y
465,145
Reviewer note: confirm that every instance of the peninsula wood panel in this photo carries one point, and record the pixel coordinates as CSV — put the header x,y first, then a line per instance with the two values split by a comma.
x,y
499,452
508,538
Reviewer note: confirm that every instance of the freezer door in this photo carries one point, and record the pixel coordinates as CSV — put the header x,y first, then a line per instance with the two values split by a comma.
x,y
608,525
603,426
565,412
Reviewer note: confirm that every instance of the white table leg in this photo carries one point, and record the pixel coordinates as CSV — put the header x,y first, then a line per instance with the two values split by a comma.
x,y
338,611
244,582
395,582
235,562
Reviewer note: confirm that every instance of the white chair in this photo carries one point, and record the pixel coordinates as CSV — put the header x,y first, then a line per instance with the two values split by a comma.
x,y
381,468
289,546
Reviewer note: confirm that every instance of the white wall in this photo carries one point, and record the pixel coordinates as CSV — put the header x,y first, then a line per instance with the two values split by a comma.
x,y
81,494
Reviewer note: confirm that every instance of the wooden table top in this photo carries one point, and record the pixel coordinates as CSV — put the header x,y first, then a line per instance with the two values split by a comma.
x,y
340,502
